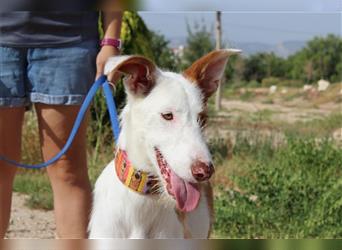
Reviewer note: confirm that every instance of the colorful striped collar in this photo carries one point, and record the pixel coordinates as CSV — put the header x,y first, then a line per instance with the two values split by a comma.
x,y
137,180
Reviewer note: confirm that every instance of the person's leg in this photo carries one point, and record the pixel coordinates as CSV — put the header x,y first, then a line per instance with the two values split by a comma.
x,y
69,177
11,120
60,78
12,102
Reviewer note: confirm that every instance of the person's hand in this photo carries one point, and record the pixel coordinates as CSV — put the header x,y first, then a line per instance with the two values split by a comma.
x,y
105,52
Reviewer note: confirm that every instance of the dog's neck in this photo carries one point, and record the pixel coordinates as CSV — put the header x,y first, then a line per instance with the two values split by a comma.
x,y
132,141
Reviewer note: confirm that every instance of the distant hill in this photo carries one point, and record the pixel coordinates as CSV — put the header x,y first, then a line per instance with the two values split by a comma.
x,y
283,49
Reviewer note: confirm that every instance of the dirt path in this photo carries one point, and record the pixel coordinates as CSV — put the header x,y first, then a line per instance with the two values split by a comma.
x,y
258,112
279,112
30,223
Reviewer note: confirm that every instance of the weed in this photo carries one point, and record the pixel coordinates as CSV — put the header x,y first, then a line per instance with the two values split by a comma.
x,y
268,101
290,97
262,115
34,183
297,189
247,95
320,127
219,150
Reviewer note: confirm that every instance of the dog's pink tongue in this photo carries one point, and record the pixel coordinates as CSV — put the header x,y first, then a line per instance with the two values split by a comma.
x,y
187,194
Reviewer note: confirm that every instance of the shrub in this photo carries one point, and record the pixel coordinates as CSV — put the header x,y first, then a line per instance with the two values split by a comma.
x,y
269,81
254,84
297,189
292,83
253,144
247,95
219,150
237,84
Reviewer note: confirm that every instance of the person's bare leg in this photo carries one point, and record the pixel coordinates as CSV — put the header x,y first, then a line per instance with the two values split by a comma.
x,y
69,176
11,120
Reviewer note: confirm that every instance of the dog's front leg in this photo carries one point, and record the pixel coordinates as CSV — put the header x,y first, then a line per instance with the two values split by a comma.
x,y
138,234
199,221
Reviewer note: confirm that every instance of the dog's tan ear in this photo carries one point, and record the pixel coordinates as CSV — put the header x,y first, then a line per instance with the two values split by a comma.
x,y
208,70
140,73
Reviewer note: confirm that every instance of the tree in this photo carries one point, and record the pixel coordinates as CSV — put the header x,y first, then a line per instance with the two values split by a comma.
x,y
235,68
276,66
325,54
135,35
338,76
255,67
162,54
136,39
139,40
308,70
318,59
296,66
261,65
199,42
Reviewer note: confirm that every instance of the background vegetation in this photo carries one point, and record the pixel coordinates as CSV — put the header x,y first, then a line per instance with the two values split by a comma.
x,y
264,187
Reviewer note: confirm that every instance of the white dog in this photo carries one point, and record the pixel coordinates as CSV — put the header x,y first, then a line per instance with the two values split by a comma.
x,y
157,186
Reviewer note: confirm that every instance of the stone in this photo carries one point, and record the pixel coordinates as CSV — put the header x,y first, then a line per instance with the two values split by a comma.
x,y
273,89
323,85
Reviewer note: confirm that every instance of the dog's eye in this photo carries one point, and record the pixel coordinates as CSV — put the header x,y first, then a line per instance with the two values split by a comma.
x,y
167,116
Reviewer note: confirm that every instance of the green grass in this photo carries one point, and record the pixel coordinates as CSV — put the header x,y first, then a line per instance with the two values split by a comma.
x,y
269,100
289,190
246,96
262,115
297,186
296,183
320,127
292,96
35,183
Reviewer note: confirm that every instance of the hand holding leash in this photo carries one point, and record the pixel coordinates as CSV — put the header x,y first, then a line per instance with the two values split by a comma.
x,y
105,53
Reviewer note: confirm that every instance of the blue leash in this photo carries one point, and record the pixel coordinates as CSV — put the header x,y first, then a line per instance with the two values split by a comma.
x,y
101,81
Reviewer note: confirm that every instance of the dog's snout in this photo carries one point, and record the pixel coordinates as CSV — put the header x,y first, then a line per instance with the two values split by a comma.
x,y
202,171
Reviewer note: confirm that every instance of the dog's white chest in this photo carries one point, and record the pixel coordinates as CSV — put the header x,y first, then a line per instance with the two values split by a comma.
x,y
119,212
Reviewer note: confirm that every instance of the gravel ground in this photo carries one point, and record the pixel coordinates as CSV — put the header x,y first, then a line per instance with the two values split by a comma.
x,y
280,112
30,223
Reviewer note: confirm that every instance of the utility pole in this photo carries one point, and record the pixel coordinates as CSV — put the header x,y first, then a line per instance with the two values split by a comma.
x,y
218,46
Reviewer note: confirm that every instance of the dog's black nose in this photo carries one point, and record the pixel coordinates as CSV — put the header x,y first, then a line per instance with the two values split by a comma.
x,y
202,171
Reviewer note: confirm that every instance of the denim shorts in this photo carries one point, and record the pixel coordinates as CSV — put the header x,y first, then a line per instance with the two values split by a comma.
x,y
56,76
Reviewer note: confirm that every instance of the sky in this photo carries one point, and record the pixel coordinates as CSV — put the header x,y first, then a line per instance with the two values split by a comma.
x,y
242,5
266,27
264,21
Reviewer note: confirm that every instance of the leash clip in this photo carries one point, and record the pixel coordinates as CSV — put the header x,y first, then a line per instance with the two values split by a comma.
x,y
112,85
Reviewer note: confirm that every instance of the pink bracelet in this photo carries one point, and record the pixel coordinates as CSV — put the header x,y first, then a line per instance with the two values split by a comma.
x,y
112,42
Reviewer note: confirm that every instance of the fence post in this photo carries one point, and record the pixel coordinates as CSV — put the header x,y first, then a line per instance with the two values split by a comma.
x,y
218,46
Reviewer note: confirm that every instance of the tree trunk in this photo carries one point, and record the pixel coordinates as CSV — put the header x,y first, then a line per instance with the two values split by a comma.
x,y
218,46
